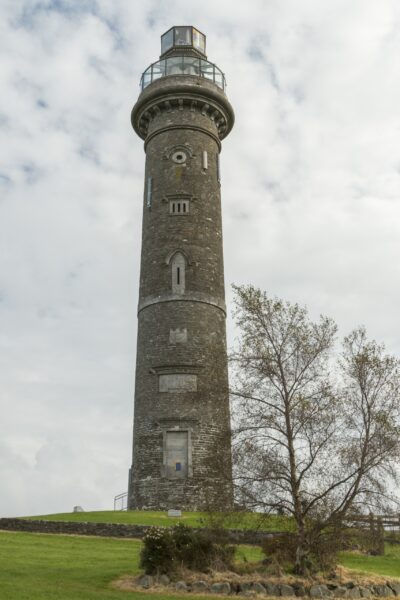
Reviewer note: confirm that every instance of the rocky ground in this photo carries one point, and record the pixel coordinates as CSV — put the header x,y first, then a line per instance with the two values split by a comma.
x,y
342,585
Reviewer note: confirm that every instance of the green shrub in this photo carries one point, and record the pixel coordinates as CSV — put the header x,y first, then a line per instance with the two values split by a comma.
x,y
157,554
165,550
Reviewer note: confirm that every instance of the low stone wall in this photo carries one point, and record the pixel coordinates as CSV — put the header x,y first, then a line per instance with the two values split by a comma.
x,y
235,536
74,527
267,588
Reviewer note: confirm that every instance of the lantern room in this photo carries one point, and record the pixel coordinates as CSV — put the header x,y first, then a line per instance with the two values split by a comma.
x,y
186,37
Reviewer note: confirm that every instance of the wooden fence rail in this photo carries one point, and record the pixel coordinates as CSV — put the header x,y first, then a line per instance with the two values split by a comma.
x,y
391,522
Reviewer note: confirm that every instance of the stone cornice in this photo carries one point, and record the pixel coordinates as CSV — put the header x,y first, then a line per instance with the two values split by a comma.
x,y
176,93
187,297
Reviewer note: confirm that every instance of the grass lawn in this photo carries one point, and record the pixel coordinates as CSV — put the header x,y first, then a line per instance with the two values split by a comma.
x,y
193,519
59,567
382,565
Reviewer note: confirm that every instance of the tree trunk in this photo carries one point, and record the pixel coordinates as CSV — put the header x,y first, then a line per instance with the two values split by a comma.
x,y
302,550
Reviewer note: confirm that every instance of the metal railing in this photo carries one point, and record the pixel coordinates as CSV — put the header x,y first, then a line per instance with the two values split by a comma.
x,y
183,65
121,501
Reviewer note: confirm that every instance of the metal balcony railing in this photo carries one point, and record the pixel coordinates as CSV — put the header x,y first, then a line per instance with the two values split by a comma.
x,y
183,65
121,501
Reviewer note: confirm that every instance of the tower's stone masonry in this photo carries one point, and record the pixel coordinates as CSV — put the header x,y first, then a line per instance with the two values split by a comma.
x,y
181,449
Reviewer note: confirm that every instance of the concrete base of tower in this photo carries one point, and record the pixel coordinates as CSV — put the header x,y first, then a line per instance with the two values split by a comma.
x,y
188,494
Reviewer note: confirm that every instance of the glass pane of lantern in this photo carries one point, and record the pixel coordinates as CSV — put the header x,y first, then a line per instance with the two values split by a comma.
x,y
199,40
183,36
174,65
158,69
146,78
191,66
167,40
207,70
218,78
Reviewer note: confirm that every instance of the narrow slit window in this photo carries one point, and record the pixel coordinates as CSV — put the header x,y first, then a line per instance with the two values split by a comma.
x,y
205,160
178,273
149,191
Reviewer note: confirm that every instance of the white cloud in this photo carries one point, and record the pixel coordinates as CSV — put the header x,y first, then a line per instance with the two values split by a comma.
x,y
311,181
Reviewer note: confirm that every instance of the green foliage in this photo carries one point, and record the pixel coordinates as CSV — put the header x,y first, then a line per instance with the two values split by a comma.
x,y
165,550
158,552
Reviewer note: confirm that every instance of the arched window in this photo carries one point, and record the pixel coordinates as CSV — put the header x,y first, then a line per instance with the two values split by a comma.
x,y
178,264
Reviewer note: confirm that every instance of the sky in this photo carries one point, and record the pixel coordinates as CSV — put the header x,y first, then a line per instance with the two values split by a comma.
x,y
310,190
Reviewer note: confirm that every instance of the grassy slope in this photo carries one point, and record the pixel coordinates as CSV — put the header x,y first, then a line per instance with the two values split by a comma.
x,y
59,567
388,565
134,517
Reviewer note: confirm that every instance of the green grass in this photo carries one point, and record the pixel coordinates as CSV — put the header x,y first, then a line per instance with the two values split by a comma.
x,y
60,567
249,554
388,565
193,519
131,517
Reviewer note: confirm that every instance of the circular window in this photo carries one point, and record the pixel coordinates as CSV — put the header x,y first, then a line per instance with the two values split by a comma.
x,y
179,157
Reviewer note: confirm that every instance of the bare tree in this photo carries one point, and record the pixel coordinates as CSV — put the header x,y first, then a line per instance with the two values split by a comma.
x,y
314,437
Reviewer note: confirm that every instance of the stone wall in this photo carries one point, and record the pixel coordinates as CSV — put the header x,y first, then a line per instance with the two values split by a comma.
x,y
268,588
236,536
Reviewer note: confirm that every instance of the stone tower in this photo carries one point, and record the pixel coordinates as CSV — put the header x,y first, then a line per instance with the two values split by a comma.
x,y
181,447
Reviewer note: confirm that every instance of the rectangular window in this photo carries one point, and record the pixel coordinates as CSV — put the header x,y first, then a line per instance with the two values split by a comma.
x,y
177,383
205,160
179,207
176,454
218,170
